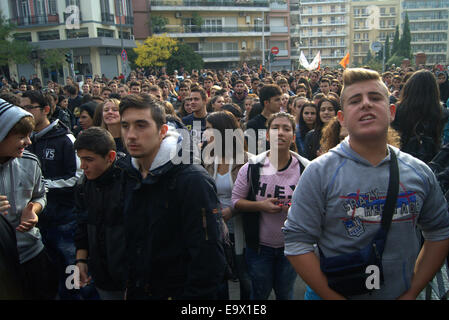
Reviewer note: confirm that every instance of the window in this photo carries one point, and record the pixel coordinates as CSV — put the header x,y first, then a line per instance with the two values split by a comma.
x,y
48,35
213,25
25,36
105,33
77,33
52,8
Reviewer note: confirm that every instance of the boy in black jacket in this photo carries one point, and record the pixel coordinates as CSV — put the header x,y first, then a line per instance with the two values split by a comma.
x,y
99,238
174,245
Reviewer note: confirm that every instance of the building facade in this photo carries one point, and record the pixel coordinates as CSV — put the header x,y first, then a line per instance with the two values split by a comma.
x,y
226,33
94,31
429,27
320,26
371,21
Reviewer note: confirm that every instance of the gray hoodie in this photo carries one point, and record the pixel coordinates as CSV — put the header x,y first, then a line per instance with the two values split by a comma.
x,y
21,181
341,185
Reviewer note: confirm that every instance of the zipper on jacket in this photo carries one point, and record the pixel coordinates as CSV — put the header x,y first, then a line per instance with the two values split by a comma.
x,y
375,251
203,210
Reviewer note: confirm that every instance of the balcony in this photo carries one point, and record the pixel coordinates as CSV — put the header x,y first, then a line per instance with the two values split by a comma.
x,y
322,1
211,31
129,20
279,29
50,19
323,34
323,13
174,5
107,18
279,5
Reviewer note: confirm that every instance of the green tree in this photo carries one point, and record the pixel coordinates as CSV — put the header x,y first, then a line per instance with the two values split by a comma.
x,y
368,57
158,24
405,48
53,58
155,51
185,57
12,50
387,48
197,21
395,45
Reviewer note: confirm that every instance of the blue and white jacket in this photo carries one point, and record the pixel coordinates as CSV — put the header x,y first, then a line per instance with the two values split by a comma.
x,y
60,169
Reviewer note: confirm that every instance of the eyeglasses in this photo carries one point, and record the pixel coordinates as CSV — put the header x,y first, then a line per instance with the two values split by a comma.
x,y
30,107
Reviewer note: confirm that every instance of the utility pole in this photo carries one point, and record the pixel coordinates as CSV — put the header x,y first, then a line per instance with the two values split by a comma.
x,y
121,39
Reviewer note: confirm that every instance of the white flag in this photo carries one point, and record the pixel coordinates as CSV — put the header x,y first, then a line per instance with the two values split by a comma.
x,y
316,63
303,61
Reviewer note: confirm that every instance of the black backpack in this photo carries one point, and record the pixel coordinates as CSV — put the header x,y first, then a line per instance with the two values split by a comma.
x,y
440,167
421,146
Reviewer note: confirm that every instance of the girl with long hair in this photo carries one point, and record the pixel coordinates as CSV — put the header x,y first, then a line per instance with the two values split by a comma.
x,y
326,110
306,122
419,116
225,140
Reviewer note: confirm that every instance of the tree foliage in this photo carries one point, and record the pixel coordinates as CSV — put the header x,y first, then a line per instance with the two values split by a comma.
x,y
155,51
387,48
184,57
405,48
52,58
12,50
395,45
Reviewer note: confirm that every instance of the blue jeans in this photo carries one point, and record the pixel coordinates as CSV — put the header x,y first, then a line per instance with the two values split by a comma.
x,y
269,269
311,295
59,242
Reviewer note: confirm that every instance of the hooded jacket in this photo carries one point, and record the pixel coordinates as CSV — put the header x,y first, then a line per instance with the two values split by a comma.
x,y
21,181
174,244
60,169
100,227
338,206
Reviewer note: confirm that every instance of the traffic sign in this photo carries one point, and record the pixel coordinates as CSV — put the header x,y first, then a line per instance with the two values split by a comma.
x,y
376,46
274,50
124,55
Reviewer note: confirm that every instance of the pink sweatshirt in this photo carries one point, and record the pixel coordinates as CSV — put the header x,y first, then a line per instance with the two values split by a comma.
x,y
281,185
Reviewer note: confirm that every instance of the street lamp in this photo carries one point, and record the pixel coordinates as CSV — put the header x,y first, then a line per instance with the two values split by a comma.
x,y
263,38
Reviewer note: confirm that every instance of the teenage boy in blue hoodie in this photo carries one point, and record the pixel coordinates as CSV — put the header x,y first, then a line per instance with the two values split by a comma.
x,y
338,202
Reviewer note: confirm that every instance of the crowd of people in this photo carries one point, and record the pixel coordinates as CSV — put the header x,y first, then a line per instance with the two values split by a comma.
x,y
89,178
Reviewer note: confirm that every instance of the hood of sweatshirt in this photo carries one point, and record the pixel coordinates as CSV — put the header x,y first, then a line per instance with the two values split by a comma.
x,y
344,150
175,148
55,129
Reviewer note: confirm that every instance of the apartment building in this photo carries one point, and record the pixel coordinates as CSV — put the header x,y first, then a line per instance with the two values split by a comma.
x,y
320,26
226,32
105,27
429,27
371,21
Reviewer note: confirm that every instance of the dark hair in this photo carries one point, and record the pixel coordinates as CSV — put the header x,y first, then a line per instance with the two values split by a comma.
x,y
36,96
269,91
89,107
255,110
222,120
303,128
292,121
95,139
71,89
144,101
234,109
318,123
419,108
11,98
201,91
